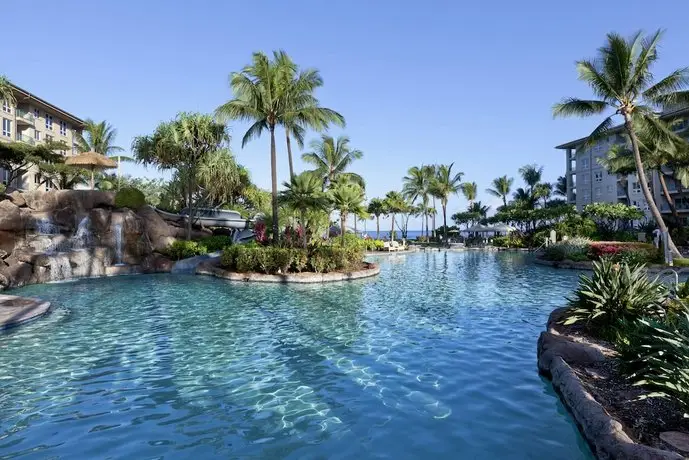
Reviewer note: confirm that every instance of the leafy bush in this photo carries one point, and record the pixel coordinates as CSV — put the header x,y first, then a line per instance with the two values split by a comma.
x,y
322,260
129,197
680,262
508,241
657,357
216,242
576,225
184,249
624,252
300,260
575,249
272,260
374,245
614,293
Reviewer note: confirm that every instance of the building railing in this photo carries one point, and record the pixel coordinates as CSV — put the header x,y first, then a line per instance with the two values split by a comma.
x,y
25,115
26,139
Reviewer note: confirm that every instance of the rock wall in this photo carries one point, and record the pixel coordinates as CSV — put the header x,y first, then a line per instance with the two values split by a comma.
x,y
49,236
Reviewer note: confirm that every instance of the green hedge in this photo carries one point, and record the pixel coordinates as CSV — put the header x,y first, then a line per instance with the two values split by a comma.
x,y
273,260
129,197
185,249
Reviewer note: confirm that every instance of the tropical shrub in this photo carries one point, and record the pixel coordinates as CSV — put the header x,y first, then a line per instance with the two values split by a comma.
x,y
657,357
624,252
374,245
322,260
680,262
508,241
612,217
615,293
179,250
575,249
576,225
272,260
129,197
300,260
216,242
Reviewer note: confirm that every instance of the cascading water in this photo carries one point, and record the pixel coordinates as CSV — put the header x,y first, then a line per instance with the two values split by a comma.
x,y
82,237
60,267
117,230
45,226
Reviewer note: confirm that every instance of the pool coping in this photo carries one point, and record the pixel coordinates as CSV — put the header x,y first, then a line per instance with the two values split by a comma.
x,y
588,265
604,433
33,309
212,268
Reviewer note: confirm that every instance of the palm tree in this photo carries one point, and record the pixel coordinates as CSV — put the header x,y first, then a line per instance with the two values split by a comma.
x,y
430,171
100,138
417,185
470,190
621,80
262,98
478,208
532,175
183,144
298,88
347,198
332,158
560,186
6,91
524,198
376,208
502,186
543,190
444,185
303,194
394,204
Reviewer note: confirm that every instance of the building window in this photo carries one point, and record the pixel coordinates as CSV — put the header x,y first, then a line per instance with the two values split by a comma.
x,y
49,122
6,107
585,179
597,192
36,179
585,196
609,189
598,176
36,134
36,113
6,127
636,187
63,128
584,163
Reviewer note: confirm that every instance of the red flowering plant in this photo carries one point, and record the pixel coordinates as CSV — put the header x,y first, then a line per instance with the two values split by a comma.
x,y
260,233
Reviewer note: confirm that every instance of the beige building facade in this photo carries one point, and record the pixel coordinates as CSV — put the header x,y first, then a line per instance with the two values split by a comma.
x,y
33,120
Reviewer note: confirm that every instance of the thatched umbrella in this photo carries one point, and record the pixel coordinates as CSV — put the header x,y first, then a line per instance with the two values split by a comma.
x,y
91,161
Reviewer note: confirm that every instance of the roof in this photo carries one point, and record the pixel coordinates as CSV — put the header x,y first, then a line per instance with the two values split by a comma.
x,y
665,115
27,95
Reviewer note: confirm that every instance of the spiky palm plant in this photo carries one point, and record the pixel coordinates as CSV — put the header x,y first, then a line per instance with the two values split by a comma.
x,y
332,158
303,194
470,191
346,198
444,185
416,186
622,82
531,174
501,188
6,92
376,208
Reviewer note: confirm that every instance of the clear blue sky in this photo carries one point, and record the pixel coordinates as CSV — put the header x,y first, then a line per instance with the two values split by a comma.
x,y
418,82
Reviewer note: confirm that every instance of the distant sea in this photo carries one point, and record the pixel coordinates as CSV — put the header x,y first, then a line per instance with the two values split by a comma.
x,y
411,234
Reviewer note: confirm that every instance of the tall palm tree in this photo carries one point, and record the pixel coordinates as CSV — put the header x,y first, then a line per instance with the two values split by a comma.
x,y
502,186
6,92
303,194
544,191
376,208
532,175
621,80
430,172
470,190
560,187
417,185
262,98
298,88
524,198
394,204
444,185
346,198
478,208
100,138
332,158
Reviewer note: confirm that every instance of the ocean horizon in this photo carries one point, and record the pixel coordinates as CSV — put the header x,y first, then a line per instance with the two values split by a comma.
x,y
411,234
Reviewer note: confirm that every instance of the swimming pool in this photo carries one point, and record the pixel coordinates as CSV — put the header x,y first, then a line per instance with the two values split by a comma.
x,y
435,358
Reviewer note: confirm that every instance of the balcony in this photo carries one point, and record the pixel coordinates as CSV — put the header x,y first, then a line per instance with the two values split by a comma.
x,y
24,117
25,139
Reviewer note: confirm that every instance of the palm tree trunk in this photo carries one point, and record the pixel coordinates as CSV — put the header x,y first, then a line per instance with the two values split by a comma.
x,y
289,154
669,199
190,213
274,184
504,200
377,227
644,184
433,218
444,223
343,218
392,228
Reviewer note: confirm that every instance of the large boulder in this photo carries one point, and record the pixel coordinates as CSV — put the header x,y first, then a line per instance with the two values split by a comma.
x,y
100,220
8,240
156,263
17,198
156,229
79,200
18,273
10,217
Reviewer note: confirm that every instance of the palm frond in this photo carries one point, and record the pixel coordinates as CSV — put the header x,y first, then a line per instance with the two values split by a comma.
x,y
571,106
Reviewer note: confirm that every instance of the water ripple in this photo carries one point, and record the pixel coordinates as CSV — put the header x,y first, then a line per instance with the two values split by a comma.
x,y
435,358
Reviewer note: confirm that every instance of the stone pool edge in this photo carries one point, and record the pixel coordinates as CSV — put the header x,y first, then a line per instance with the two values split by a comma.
x,y
605,434
211,268
588,265
33,309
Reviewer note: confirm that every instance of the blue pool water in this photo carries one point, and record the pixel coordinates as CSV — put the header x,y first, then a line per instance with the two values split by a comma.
x,y
435,358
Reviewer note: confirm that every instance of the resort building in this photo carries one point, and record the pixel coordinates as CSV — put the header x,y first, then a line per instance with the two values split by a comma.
x,y
33,120
588,182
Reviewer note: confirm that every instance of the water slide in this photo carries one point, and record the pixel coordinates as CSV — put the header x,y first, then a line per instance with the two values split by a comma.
x,y
208,217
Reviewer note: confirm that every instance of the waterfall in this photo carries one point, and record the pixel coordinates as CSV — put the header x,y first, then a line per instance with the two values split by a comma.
x,y
60,267
45,226
82,237
117,230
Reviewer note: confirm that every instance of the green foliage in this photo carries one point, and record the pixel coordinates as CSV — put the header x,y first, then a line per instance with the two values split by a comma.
x,y
331,158
508,241
575,249
657,357
17,157
575,225
3,187
614,293
273,260
216,242
373,245
184,249
129,198
681,262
